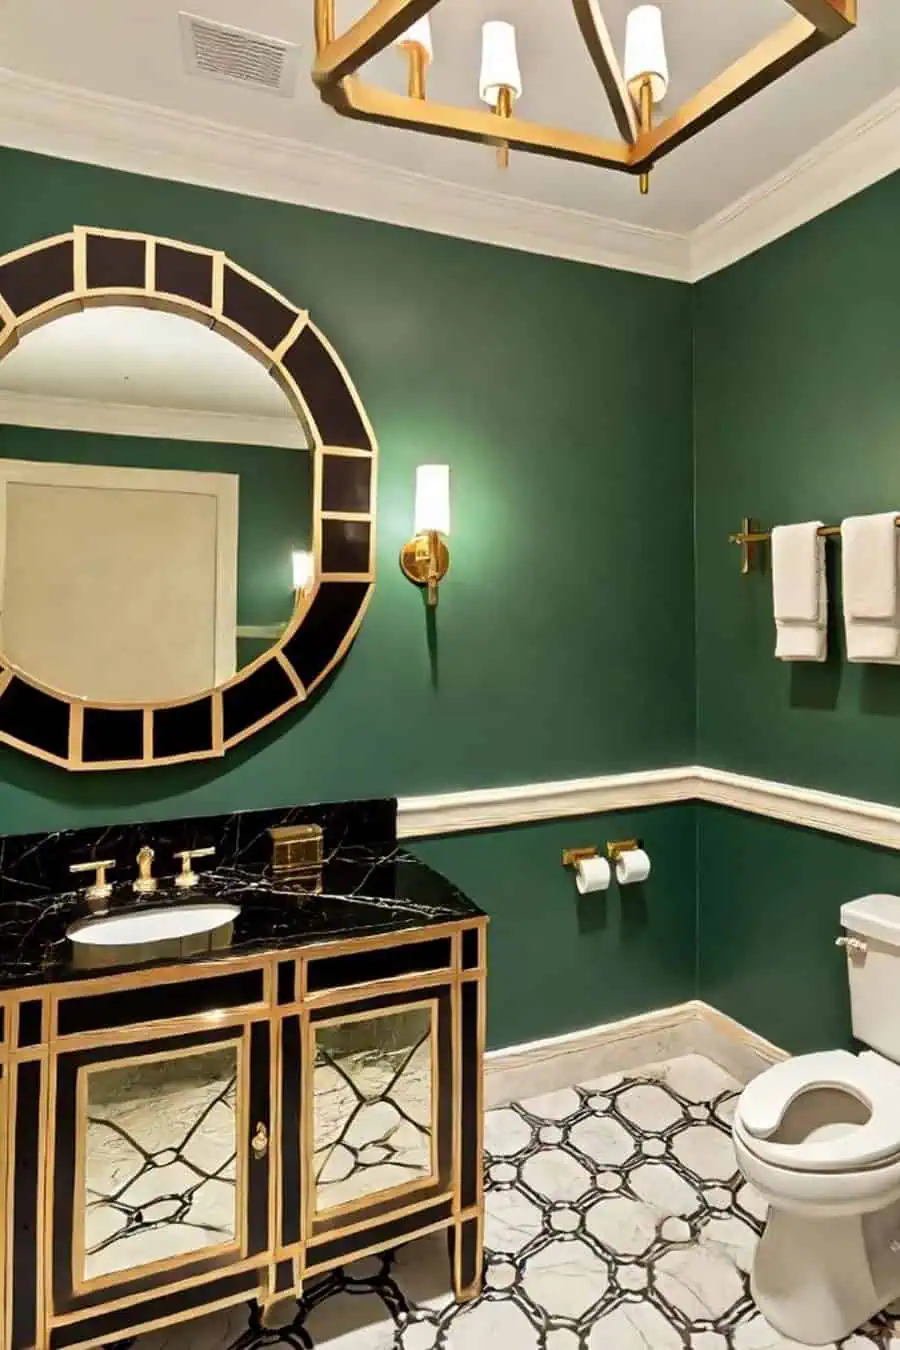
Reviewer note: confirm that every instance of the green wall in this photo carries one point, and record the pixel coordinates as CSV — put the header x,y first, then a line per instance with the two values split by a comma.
x,y
797,416
560,395
559,961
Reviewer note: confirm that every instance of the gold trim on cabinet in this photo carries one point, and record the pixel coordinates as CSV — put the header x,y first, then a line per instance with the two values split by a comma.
x,y
400,1212
85,1072
175,1287
324,1266
159,1323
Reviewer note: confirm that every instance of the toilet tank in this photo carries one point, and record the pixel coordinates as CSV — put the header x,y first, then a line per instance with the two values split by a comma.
x,y
872,944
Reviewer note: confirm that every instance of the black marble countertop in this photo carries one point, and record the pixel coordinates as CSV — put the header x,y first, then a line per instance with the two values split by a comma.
x,y
366,890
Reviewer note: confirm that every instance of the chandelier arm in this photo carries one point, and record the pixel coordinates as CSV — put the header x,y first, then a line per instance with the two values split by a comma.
x,y
381,25
834,18
777,54
603,54
354,98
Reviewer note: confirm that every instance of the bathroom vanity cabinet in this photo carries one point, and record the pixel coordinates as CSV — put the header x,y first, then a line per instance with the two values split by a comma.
x,y
219,1129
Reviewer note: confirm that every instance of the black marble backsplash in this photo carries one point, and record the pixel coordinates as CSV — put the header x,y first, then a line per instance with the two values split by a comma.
x,y
35,865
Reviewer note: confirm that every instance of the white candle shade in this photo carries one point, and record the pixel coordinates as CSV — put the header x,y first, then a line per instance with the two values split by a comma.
x,y
499,61
303,568
645,51
418,32
432,498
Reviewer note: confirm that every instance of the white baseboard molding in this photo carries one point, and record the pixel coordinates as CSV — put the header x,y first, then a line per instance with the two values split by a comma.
x,y
492,808
694,1027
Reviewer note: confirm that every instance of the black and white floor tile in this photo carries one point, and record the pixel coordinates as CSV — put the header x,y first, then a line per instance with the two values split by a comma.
x,y
616,1220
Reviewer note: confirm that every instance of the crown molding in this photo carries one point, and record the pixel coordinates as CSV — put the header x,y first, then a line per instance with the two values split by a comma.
x,y
117,133
132,419
493,808
862,152
79,124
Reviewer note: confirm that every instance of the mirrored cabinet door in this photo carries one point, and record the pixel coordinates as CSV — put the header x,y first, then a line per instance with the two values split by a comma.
x,y
158,1173
161,1161
375,1131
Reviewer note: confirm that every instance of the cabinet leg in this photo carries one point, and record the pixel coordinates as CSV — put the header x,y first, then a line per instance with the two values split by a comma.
x,y
466,1249
280,1313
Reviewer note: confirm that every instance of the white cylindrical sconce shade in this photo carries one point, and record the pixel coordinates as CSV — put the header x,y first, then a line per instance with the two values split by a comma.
x,y
420,33
499,61
302,569
645,50
432,498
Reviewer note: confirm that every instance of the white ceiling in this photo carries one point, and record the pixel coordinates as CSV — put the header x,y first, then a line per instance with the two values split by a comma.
x,y
130,49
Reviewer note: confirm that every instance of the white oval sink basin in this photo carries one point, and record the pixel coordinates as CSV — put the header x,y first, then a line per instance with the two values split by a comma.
x,y
156,925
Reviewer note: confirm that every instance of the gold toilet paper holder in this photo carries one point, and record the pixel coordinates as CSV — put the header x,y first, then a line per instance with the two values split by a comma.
x,y
573,856
615,849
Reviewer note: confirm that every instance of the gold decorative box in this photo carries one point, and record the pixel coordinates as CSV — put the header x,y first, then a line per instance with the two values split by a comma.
x,y
297,852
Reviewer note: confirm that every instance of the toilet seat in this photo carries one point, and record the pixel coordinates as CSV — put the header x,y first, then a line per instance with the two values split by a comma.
x,y
765,1101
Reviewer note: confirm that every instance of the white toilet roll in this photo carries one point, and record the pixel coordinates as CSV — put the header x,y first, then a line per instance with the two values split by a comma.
x,y
632,866
592,874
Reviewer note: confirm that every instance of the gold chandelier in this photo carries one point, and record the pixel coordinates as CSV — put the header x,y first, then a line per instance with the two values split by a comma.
x,y
633,89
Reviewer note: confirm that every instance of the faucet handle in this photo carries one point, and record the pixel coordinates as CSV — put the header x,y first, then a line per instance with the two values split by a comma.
x,y
101,888
146,881
187,876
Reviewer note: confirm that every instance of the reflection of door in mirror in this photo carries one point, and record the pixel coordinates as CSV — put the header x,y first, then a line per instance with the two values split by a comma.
x,y
152,602
154,487
158,1175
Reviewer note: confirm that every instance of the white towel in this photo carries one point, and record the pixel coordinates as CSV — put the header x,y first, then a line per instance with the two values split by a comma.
x,y
799,592
869,569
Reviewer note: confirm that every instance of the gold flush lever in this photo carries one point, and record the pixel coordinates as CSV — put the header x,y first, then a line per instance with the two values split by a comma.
x,y
101,888
260,1141
187,876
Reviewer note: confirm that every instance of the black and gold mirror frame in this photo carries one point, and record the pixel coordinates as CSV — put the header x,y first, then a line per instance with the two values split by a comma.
x,y
87,267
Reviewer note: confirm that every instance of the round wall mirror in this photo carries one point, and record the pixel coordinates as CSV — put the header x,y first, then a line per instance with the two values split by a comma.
x,y
186,502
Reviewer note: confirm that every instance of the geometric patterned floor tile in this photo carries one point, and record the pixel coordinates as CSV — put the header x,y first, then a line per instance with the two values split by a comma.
x,y
616,1220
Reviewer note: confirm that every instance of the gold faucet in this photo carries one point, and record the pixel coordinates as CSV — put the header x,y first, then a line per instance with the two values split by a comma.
x,y
146,881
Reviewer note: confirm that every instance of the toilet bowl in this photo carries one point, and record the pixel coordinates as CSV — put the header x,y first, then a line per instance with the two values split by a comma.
x,y
819,1138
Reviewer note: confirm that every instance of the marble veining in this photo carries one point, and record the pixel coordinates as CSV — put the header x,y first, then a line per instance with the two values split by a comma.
x,y
369,885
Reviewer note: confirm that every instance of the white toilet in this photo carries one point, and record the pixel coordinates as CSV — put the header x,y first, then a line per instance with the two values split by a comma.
x,y
819,1137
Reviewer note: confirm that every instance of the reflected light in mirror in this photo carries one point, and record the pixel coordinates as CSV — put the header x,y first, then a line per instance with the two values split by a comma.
x,y
432,498
303,568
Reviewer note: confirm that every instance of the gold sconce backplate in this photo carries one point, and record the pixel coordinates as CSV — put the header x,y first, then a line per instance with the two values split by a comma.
x,y
425,560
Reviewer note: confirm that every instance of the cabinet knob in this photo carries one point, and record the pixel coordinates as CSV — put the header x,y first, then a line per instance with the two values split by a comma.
x,y
260,1141
853,946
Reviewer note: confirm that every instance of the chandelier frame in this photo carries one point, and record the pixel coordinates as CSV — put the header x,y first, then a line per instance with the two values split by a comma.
x,y
815,24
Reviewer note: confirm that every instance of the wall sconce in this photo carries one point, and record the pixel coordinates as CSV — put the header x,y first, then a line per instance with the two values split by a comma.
x,y
303,570
425,560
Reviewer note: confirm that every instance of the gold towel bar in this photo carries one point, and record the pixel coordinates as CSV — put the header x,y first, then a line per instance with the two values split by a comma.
x,y
750,535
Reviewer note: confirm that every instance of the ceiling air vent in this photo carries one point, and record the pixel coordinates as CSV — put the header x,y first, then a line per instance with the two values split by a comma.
x,y
221,52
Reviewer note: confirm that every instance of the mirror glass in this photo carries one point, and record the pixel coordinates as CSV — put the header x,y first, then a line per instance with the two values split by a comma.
x,y
159,1172
156,506
373,1112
